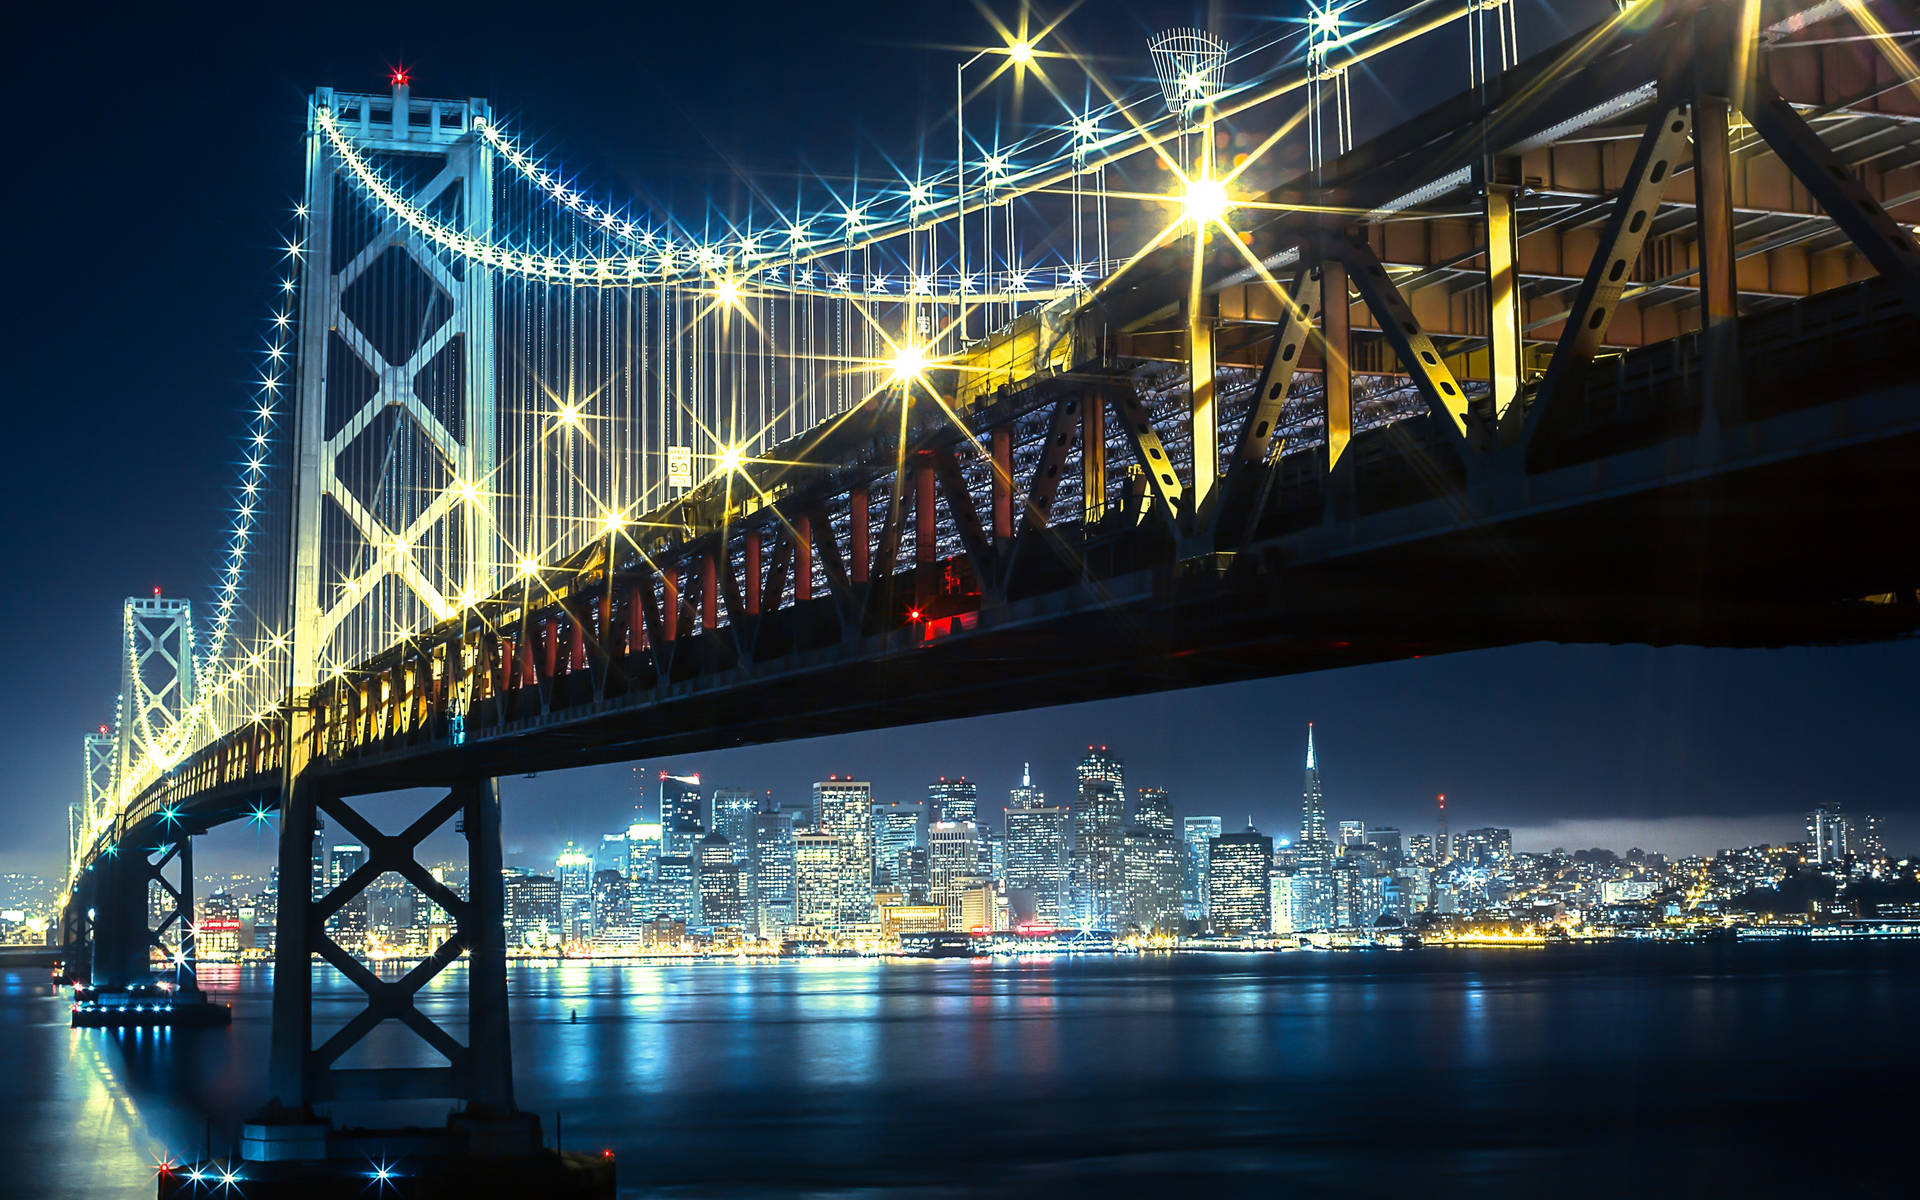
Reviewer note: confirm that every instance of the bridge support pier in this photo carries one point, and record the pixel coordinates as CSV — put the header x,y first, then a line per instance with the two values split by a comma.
x,y
478,1075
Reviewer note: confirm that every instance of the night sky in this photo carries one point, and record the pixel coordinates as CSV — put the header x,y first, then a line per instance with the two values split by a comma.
x,y
155,157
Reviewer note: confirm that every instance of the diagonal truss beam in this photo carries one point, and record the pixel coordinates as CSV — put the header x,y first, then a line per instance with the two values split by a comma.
x,y
1880,239
1418,356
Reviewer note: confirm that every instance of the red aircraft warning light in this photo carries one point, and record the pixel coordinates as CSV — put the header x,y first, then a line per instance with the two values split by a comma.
x,y
400,77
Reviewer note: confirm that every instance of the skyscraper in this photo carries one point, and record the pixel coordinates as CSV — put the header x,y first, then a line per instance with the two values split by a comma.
x,y
718,884
1036,853
770,883
896,831
1098,875
348,926
1197,833
576,892
643,867
1237,867
816,879
1827,834
683,813
1153,864
953,862
845,811
733,810
953,799
1314,886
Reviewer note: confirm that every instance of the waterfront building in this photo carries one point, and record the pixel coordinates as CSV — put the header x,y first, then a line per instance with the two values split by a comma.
x,y
953,864
1036,871
953,800
1237,867
844,810
683,813
1280,893
532,910
717,875
1098,865
983,908
1197,833
816,879
770,880
1153,864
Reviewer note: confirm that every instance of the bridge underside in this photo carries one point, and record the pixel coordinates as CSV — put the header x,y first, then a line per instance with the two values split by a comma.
x,y
1811,549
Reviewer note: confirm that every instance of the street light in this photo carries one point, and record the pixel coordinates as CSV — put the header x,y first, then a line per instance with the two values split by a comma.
x,y
1020,53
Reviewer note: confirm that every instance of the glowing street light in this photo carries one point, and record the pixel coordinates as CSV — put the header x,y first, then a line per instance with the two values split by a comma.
x,y
731,457
1021,52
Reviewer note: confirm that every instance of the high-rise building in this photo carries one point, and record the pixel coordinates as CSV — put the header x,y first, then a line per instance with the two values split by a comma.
x,y
1036,854
816,879
612,907
722,905
1314,893
1098,877
1153,864
1491,847
770,882
319,876
896,831
532,909
683,813
674,896
1387,838
844,809
1420,849
953,800
1280,902
733,810
1197,833
643,865
1827,834
348,926
1353,833
576,892
953,862
611,854
1237,867
1442,849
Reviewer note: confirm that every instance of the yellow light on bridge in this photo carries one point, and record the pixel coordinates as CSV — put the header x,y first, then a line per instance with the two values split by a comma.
x,y
612,521
1206,200
731,457
909,362
728,292
528,568
1021,52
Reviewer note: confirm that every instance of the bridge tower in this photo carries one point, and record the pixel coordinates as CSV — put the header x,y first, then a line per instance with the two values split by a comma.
x,y
395,450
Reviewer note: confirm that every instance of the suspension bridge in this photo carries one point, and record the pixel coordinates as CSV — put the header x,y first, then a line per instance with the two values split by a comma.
x,y
1618,343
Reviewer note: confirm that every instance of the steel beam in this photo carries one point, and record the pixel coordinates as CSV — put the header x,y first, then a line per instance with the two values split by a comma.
x,y
1662,145
1418,356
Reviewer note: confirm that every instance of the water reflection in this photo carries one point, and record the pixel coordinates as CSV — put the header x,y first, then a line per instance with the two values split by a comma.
x,y
1122,1076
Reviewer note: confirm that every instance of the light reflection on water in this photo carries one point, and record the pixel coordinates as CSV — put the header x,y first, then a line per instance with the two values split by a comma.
x,y
1365,1074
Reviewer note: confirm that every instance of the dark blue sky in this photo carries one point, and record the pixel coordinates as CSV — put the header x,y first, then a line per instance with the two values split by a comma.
x,y
157,152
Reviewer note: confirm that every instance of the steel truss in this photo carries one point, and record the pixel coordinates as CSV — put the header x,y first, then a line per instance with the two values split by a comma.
x,y
479,1072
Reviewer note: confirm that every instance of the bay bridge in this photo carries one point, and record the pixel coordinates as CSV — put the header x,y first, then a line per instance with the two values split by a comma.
x,y
1619,343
